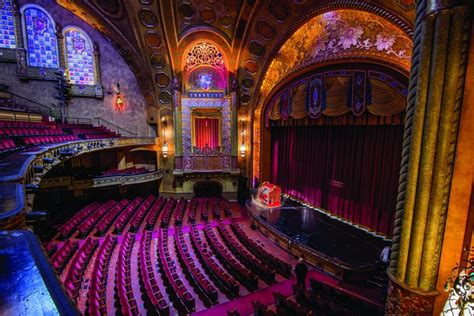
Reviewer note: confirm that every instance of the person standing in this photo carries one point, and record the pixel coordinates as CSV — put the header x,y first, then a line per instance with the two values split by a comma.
x,y
301,270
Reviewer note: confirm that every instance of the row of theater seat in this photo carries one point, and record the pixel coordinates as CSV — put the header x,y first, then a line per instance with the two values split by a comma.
x,y
221,277
235,267
97,299
202,285
218,268
279,265
182,299
77,266
123,278
6,132
260,268
319,299
16,134
155,300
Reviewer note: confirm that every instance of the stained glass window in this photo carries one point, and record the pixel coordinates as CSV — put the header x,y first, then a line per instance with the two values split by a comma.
x,y
41,39
7,26
80,57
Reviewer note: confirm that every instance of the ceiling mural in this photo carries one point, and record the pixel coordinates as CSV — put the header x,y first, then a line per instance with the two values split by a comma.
x,y
153,35
339,34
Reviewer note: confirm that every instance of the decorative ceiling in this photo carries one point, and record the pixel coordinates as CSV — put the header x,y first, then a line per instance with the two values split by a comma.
x,y
154,35
339,34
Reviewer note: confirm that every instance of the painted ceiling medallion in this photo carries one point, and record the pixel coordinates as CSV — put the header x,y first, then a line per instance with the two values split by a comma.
x,y
279,9
152,40
208,15
257,49
165,97
245,98
162,80
186,10
147,18
226,20
248,82
265,30
149,99
251,66
157,60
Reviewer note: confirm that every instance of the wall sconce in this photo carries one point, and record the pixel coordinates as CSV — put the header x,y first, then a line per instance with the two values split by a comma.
x,y
243,148
164,149
119,104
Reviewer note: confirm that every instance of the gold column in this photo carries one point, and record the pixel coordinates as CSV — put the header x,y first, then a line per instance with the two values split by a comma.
x,y
441,40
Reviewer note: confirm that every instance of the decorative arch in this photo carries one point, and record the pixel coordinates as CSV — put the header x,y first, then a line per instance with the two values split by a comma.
x,y
79,54
204,61
40,37
7,26
331,36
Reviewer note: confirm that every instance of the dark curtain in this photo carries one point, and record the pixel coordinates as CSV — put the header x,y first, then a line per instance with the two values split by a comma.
x,y
352,171
207,132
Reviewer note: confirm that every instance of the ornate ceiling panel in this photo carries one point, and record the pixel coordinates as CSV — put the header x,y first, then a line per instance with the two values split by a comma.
x,y
153,35
220,15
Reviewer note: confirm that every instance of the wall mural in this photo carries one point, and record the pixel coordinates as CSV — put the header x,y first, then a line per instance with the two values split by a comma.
x,y
339,33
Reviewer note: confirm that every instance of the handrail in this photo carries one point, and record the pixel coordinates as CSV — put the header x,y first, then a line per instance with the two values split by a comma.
x,y
118,128
41,108
78,120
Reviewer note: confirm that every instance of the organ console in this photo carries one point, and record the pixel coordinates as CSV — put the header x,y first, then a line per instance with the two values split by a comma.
x,y
269,195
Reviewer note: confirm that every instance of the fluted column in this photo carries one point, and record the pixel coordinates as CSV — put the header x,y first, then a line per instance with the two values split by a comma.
x,y
441,39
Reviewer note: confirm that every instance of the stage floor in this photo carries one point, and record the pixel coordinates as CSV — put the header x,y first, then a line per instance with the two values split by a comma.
x,y
329,236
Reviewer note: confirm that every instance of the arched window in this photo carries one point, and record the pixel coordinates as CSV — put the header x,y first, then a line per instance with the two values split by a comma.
x,y
79,57
40,36
7,25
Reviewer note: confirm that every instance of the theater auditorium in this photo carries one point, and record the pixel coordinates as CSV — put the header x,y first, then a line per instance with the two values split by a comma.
x,y
237,157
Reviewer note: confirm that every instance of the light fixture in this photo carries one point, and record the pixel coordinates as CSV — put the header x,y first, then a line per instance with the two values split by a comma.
x,y
243,150
164,149
119,104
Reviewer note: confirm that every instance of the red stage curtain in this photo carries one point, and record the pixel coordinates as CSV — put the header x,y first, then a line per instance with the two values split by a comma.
x,y
207,132
352,171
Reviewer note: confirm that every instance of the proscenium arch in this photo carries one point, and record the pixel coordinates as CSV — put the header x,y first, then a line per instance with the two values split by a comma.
x,y
264,92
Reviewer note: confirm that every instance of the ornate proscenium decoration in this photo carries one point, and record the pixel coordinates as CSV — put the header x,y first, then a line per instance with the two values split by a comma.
x,y
119,104
461,285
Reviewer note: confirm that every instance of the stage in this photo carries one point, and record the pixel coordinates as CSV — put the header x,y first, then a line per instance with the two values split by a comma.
x,y
331,245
